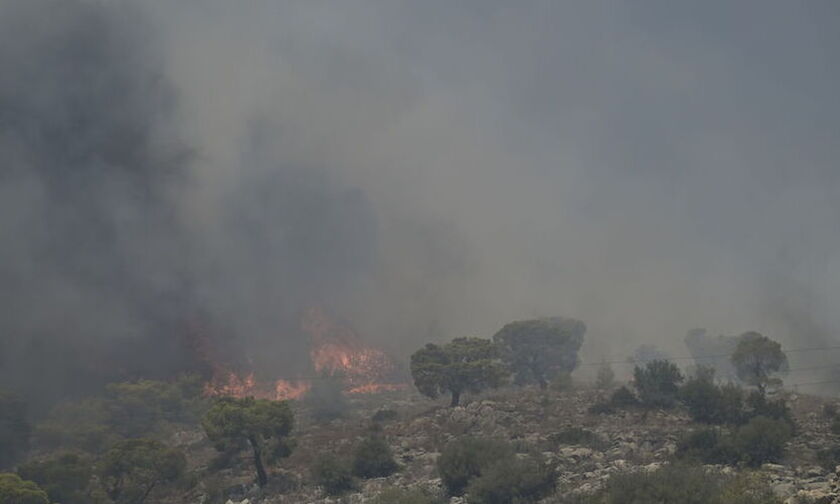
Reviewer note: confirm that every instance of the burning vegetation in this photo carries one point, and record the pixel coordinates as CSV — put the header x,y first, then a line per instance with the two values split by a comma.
x,y
336,352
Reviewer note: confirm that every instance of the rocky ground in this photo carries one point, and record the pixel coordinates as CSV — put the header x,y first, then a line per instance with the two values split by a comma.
x,y
628,440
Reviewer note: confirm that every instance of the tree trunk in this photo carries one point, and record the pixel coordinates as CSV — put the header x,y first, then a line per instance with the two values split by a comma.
x,y
262,477
542,382
456,399
146,493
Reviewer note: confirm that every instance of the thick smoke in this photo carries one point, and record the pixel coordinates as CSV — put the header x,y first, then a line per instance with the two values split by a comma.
x,y
424,169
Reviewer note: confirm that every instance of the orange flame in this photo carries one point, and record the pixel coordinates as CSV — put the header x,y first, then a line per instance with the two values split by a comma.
x,y
337,351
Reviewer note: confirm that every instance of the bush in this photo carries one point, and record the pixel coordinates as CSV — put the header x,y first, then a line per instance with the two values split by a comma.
x,y
411,496
601,408
373,459
563,382
677,484
835,426
708,446
622,397
466,458
830,410
759,405
577,436
829,458
712,404
64,478
759,441
326,400
657,383
333,475
762,440
512,480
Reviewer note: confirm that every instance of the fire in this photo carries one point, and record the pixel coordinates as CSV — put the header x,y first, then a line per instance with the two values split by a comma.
x,y
336,351
247,386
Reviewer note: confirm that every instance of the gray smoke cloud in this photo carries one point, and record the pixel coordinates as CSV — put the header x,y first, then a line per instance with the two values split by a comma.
x,y
425,169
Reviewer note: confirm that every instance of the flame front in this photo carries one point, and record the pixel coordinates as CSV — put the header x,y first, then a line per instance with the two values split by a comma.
x,y
336,352
247,386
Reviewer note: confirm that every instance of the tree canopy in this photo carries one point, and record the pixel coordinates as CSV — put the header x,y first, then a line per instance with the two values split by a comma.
x,y
540,349
65,478
462,365
231,423
132,468
14,490
758,360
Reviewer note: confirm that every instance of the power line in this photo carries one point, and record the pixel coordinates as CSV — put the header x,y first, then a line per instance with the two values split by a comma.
x,y
632,362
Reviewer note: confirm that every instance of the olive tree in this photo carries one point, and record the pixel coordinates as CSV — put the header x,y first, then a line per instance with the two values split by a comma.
x,y
232,423
758,360
132,468
464,364
538,350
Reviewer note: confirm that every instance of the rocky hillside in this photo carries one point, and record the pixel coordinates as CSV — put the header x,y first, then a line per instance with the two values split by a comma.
x,y
584,448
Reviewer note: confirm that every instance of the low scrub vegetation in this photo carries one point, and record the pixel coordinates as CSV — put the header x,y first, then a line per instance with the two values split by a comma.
x,y
373,458
489,472
408,496
761,440
512,480
334,475
680,485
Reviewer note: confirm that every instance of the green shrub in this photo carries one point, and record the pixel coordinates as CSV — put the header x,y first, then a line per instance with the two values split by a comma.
x,y
65,478
762,440
410,496
578,436
668,485
829,458
623,398
708,446
601,408
563,382
712,404
466,458
512,481
830,410
747,488
333,475
657,383
679,484
759,405
373,458
759,441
